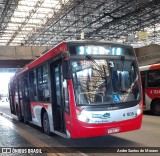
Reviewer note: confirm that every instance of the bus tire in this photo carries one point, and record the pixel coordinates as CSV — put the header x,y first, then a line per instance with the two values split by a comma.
x,y
45,124
156,107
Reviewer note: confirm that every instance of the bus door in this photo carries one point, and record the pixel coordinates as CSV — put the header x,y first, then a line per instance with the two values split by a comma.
x,y
143,76
57,96
26,98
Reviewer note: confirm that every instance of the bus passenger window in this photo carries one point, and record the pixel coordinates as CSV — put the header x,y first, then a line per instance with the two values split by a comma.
x,y
153,78
43,90
45,74
33,86
39,75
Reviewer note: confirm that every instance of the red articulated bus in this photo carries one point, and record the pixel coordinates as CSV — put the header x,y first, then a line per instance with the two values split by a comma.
x,y
80,89
151,87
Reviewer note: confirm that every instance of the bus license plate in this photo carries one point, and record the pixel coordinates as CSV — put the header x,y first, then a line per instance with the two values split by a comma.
x,y
113,130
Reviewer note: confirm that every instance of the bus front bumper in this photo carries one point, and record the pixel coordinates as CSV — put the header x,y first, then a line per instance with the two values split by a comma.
x,y
83,130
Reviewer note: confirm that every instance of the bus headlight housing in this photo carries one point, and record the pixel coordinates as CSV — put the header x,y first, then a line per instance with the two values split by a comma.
x,y
139,110
82,117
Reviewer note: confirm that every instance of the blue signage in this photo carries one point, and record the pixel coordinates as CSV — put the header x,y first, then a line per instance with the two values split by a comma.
x,y
116,97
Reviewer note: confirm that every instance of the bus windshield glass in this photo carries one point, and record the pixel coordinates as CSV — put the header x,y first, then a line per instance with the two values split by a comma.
x,y
105,81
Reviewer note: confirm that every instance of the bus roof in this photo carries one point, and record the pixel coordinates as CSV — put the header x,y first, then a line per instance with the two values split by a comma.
x,y
95,42
150,67
62,48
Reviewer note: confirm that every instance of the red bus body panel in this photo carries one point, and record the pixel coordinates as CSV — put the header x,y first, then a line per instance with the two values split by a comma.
x,y
153,93
78,129
154,66
50,54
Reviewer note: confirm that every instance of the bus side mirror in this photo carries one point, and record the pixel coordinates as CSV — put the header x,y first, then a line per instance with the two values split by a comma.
x,y
66,69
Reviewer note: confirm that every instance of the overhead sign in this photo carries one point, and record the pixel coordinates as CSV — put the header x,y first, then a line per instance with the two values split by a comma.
x,y
142,35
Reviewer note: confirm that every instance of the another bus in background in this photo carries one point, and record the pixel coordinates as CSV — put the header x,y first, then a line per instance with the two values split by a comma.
x,y
58,90
151,87
4,95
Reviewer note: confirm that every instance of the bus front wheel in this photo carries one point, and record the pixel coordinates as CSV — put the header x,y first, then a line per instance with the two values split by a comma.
x,y
46,127
156,107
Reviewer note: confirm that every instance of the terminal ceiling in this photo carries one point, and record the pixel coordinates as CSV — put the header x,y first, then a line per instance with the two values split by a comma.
x,y
49,22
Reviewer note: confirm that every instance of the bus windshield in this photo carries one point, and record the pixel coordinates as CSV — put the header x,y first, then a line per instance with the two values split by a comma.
x,y
105,81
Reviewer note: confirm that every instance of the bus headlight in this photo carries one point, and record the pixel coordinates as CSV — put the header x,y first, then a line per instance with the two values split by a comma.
x,y
82,117
139,110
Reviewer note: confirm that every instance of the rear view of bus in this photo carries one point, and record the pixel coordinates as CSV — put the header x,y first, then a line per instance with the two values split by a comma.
x,y
104,89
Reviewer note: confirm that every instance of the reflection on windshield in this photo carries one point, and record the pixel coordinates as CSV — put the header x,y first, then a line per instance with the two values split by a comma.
x,y
101,81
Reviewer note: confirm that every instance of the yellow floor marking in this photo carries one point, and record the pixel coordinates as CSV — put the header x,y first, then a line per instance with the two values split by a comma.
x,y
27,136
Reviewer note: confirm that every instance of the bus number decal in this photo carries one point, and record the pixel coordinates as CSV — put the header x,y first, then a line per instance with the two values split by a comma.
x,y
128,114
111,63
155,92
